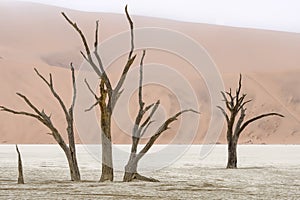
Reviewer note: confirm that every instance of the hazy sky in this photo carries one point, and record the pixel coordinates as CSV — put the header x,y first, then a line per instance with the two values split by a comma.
x,y
282,15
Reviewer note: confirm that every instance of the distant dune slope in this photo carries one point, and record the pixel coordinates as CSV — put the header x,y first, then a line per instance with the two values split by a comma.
x,y
35,35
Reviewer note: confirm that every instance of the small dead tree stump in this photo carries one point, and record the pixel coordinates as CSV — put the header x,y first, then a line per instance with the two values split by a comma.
x,y
20,167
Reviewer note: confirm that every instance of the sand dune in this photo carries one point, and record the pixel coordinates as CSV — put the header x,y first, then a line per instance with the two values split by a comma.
x,y
34,35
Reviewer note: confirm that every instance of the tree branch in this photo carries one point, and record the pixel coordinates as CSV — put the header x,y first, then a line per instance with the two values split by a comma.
x,y
239,122
4,109
42,118
74,89
141,103
50,85
228,103
130,60
95,96
151,114
98,58
91,107
120,82
145,129
131,32
136,129
224,113
90,89
88,57
159,131
257,118
27,101
239,90
243,104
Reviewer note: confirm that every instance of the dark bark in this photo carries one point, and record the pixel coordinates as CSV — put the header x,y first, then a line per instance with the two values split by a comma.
x,y
40,115
131,173
20,167
232,155
73,166
108,95
139,130
107,164
235,105
130,169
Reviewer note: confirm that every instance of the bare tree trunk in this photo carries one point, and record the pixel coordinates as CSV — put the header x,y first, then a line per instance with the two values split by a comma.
x,y
107,172
130,171
107,163
72,159
20,167
232,155
130,168
132,174
73,166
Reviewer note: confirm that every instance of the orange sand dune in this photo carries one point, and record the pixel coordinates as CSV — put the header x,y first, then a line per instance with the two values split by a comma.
x,y
35,35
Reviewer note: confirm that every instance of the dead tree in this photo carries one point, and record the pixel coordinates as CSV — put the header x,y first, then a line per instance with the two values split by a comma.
x,y
139,129
235,104
20,167
40,115
108,95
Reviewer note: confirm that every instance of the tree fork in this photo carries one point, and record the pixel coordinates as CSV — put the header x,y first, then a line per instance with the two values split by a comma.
x,y
139,130
110,94
235,105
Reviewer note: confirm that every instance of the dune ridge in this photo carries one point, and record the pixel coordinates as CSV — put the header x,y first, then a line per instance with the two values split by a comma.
x,y
34,35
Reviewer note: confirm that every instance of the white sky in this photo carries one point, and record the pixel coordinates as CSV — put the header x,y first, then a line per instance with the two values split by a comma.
x,y
281,15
